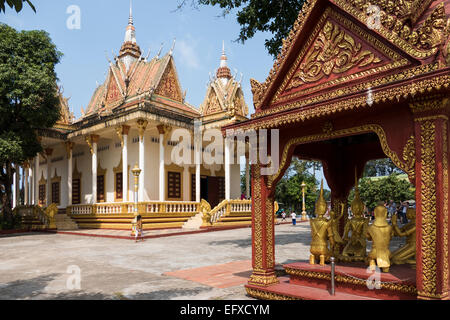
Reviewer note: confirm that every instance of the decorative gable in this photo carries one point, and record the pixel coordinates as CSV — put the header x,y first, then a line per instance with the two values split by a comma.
x,y
169,86
336,52
113,93
212,104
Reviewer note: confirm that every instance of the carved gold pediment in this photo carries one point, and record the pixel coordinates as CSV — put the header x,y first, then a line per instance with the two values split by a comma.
x,y
336,52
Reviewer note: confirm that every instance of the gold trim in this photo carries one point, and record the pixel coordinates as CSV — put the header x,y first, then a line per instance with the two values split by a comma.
x,y
404,288
265,295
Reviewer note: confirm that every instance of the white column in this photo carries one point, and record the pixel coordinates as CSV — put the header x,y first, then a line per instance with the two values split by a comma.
x,y
94,141
14,190
125,172
162,180
186,193
31,184
49,182
247,177
197,183
142,125
69,173
26,185
227,170
36,181
142,167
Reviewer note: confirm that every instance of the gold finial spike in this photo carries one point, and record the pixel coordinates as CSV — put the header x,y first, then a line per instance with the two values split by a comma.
x,y
321,190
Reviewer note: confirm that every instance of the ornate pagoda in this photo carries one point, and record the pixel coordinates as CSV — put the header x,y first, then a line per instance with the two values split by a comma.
x,y
349,87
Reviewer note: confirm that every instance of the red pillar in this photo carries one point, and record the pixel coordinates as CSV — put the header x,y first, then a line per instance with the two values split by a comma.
x,y
432,206
263,231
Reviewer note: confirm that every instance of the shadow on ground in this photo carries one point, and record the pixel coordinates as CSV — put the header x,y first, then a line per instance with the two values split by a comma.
x,y
280,239
32,289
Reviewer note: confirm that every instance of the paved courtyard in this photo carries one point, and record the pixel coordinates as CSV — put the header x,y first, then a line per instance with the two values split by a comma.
x,y
201,266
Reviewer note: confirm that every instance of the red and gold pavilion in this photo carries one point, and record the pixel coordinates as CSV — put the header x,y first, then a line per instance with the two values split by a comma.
x,y
349,87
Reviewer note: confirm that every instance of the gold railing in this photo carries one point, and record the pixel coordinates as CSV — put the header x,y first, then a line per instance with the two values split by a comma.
x,y
126,208
228,206
45,216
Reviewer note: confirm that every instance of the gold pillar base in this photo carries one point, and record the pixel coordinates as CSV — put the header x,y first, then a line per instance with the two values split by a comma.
x,y
263,279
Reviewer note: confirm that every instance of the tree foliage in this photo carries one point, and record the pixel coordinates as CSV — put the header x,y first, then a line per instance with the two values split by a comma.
x,y
274,16
28,99
373,191
381,167
16,4
289,190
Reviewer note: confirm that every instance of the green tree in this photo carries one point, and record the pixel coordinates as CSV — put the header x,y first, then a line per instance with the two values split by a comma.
x,y
16,4
28,100
274,16
381,167
289,191
373,191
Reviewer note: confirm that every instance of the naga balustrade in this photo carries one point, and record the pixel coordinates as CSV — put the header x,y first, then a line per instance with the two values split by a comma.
x,y
34,213
230,206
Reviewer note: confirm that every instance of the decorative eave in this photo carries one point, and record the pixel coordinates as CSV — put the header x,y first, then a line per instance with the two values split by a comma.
x,y
406,88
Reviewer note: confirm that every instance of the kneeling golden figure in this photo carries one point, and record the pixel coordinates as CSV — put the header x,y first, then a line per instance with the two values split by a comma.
x,y
407,253
321,232
380,232
355,248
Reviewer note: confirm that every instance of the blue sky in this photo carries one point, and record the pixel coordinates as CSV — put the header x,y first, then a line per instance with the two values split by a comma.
x,y
199,35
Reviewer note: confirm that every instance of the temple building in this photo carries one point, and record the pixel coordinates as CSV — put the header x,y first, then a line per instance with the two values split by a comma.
x,y
86,168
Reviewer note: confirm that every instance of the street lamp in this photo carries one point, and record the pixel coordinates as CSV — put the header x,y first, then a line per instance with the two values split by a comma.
x,y
304,204
136,172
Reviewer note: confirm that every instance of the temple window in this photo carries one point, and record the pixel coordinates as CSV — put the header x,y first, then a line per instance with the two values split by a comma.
x,y
56,189
101,184
42,191
174,185
76,185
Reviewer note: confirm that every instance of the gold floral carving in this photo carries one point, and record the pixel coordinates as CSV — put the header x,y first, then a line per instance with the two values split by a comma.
x,y
416,42
409,156
169,86
270,236
404,288
266,295
428,103
409,89
334,51
257,232
428,199
445,207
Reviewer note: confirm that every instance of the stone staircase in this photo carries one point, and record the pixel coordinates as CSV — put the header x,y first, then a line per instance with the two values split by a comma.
x,y
64,222
194,223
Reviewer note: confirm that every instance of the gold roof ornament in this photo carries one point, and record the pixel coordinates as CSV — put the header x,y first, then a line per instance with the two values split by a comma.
x,y
321,204
357,205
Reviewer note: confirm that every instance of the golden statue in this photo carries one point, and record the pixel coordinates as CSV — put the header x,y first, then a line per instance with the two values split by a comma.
x,y
322,232
205,209
380,232
407,253
334,219
355,248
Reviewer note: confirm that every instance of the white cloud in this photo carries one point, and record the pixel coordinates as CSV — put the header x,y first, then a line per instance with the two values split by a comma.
x,y
186,51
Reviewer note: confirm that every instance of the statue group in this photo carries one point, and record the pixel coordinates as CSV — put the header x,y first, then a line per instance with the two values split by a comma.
x,y
352,246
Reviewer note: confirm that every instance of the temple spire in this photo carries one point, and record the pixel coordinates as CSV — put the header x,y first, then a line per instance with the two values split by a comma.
x,y
130,19
224,73
130,51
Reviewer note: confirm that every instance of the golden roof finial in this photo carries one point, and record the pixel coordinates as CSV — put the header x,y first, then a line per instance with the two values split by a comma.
x,y
357,205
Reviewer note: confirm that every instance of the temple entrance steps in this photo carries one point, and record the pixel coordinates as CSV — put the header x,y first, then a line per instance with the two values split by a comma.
x,y
33,223
194,223
123,222
232,213
34,217
352,282
64,222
